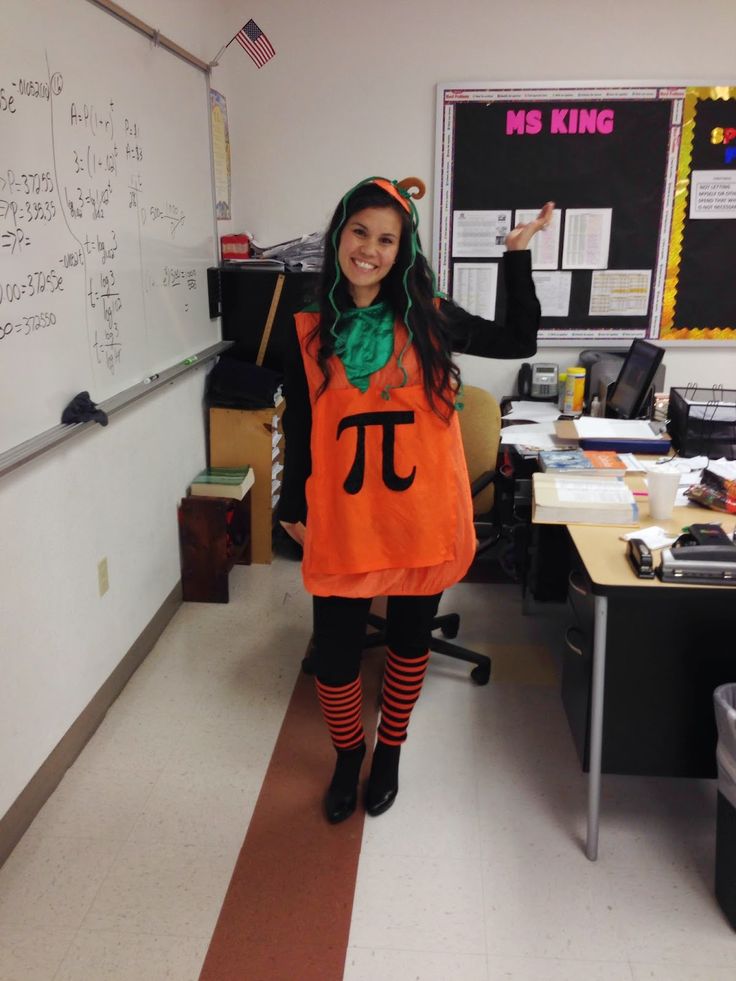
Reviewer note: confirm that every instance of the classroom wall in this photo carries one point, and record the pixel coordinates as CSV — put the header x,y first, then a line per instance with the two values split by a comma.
x,y
351,92
108,492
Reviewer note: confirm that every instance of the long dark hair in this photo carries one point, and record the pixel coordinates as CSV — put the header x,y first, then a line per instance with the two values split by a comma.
x,y
431,332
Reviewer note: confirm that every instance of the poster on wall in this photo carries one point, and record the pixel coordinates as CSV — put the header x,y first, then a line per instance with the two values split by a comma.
x,y
221,155
644,179
700,293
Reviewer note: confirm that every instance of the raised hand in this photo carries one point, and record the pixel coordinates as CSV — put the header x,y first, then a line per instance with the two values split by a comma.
x,y
520,237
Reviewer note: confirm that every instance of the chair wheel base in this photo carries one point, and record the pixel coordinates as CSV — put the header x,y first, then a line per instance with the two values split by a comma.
x,y
450,625
481,674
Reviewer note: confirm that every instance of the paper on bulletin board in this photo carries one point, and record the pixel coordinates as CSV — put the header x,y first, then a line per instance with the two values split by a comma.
x,y
713,194
620,292
545,246
587,238
221,155
480,234
553,292
474,286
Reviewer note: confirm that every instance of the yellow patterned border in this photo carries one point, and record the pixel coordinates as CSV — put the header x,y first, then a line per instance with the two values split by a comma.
x,y
667,332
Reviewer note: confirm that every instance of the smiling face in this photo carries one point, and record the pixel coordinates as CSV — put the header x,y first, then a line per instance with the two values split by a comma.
x,y
369,244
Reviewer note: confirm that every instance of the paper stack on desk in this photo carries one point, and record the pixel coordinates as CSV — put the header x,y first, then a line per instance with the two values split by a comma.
x,y
621,435
582,500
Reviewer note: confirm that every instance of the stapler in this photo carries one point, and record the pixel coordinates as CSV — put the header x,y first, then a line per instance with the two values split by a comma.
x,y
640,557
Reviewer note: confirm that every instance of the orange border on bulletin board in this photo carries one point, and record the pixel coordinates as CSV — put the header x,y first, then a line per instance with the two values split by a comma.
x,y
666,330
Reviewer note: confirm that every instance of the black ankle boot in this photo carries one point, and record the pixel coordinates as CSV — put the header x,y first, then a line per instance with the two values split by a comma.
x,y
383,783
342,794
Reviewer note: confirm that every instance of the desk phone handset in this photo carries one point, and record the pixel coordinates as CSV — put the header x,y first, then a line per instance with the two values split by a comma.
x,y
710,534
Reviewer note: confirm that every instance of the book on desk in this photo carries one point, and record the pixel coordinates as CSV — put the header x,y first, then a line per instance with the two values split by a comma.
x,y
588,463
565,499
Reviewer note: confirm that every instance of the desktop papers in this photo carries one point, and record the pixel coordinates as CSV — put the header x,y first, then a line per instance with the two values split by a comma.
x,y
532,411
592,427
538,436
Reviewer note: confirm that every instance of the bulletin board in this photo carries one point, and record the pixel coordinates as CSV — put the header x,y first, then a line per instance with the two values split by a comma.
x,y
644,179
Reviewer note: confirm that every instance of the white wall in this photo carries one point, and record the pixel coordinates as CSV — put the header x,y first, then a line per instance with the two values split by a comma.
x,y
351,92
109,492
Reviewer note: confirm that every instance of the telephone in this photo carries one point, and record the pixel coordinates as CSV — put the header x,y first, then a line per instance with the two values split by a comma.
x,y
538,381
704,554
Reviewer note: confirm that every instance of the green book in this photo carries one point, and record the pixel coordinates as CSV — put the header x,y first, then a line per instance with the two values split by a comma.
x,y
234,482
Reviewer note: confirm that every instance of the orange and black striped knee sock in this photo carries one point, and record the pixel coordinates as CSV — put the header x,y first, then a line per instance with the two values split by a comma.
x,y
342,710
402,684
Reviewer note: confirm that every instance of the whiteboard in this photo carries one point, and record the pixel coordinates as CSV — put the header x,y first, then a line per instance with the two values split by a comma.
x,y
106,210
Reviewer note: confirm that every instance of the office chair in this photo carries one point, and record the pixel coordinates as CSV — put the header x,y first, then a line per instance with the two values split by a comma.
x,y
480,425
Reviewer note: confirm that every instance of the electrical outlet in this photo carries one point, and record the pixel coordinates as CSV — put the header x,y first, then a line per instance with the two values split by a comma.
x,y
103,581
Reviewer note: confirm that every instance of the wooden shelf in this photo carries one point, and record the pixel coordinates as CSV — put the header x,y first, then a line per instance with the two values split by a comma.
x,y
214,535
247,437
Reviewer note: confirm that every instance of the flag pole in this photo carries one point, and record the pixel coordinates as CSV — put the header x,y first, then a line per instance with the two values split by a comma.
x,y
216,60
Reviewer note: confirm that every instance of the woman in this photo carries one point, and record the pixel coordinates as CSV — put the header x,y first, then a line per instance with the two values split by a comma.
x,y
375,485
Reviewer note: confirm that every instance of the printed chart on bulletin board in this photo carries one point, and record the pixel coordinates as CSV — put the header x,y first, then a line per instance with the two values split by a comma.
x,y
644,179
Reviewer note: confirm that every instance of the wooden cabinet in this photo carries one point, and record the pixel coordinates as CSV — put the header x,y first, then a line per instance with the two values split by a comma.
x,y
214,535
252,437
666,651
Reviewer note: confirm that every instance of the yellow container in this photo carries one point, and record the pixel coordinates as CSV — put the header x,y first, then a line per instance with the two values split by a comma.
x,y
574,391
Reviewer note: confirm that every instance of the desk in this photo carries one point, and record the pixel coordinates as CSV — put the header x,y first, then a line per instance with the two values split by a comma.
x,y
603,557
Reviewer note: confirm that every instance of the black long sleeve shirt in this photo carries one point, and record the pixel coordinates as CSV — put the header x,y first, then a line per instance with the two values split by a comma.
x,y
515,338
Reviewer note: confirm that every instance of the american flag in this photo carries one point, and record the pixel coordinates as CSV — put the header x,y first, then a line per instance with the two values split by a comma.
x,y
252,39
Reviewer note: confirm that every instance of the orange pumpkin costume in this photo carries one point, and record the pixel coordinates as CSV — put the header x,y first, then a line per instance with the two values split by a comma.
x,y
388,498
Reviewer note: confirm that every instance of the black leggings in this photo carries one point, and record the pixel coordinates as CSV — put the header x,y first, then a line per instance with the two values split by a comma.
x,y
340,626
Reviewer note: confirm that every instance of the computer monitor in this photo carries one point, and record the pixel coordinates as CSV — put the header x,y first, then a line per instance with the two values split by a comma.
x,y
632,389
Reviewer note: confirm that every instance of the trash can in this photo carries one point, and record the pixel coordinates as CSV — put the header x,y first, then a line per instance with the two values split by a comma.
x,y
724,698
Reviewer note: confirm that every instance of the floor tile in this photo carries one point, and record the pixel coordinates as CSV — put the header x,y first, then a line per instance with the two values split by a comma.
x,y
181,806
418,903
539,969
111,956
95,803
51,882
32,953
162,888
674,971
363,964
541,903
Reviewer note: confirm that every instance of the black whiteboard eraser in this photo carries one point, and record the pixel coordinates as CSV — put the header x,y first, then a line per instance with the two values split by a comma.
x,y
213,291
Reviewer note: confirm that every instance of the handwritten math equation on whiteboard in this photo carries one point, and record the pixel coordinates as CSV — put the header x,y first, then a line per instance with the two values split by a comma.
x,y
81,229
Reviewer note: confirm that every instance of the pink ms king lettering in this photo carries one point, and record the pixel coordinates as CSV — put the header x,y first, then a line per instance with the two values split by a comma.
x,y
562,120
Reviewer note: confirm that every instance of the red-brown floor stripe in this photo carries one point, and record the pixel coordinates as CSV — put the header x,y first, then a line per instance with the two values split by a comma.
x,y
287,911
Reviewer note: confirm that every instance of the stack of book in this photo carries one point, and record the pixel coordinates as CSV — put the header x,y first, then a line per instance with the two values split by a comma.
x,y
588,463
563,499
232,482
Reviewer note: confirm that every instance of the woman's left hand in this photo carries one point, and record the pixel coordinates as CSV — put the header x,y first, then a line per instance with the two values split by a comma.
x,y
520,237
